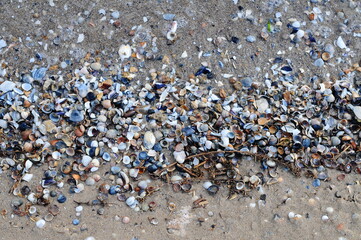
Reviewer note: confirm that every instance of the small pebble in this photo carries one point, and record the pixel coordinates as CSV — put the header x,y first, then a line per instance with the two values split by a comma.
x,y
251,39
125,220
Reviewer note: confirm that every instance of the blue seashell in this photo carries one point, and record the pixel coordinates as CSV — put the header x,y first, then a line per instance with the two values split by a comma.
x,y
39,73
54,117
188,131
83,90
246,82
92,152
306,142
152,168
76,116
202,70
50,174
168,16
150,97
96,202
159,86
157,147
48,108
115,170
76,222
61,198
60,145
48,181
142,155
136,163
183,118
286,69
316,183
106,156
113,190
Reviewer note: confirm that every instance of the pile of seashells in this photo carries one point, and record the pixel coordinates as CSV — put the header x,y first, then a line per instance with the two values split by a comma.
x,y
178,130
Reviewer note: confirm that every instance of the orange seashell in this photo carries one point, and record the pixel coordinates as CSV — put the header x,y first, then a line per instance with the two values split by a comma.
x,y
263,121
76,176
346,138
325,56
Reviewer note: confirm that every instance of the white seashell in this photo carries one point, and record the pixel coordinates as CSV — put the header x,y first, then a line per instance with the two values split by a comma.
x,y
86,160
262,105
207,184
31,197
180,157
28,164
149,140
131,202
176,179
79,188
40,223
80,38
143,184
27,177
125,177
125,51
56,155
357,112
340,43
32,210
90,181
133,172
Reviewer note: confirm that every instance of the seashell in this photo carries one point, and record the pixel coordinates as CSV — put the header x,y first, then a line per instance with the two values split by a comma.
x,y
254,180
124,177
76,116
326,56
49,217
27,177
149,140
340,43
176,179
213,189
240,185
179,156
40,223
131,202
32,210
86,160
124,51
262,105
207,184
357,112
39,73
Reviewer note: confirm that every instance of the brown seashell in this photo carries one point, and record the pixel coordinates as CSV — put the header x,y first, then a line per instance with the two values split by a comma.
x,y
263,121
79,131
25,134
27,103
222,93
325,56
54,209
272,129
66,169
28,146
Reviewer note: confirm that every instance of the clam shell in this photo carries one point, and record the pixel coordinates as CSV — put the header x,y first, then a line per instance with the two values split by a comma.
x,y
149,140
